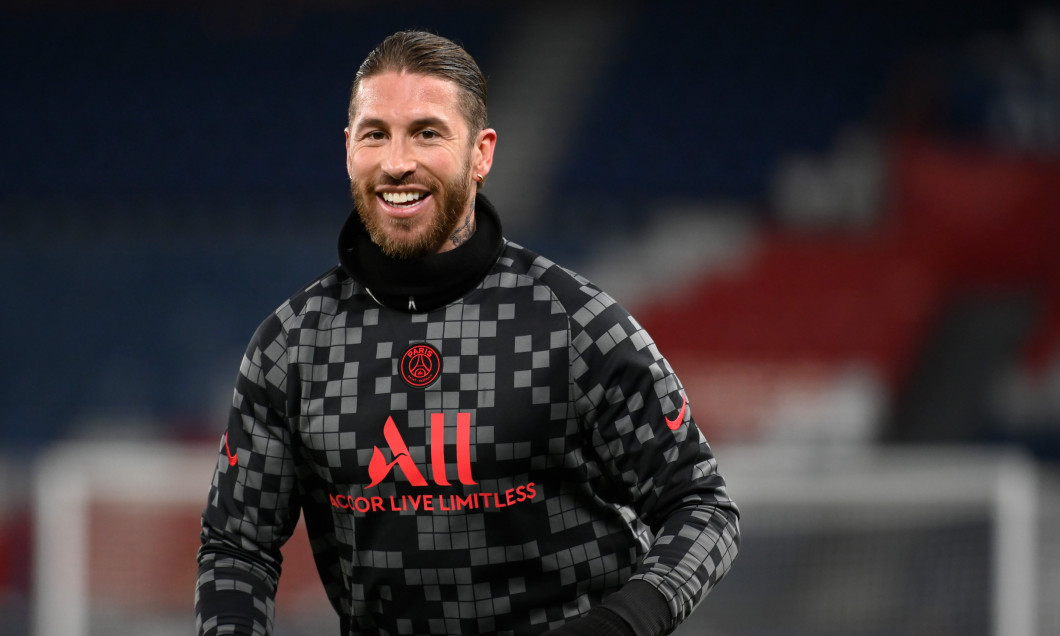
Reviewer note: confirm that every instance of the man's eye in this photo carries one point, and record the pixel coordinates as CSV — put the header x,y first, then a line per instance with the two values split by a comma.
x,y
429,134
375,135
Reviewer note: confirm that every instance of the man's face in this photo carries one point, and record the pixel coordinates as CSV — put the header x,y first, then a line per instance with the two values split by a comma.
x,y
412,162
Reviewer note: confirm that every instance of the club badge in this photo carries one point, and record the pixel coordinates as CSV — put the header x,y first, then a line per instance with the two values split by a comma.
x,y
420,365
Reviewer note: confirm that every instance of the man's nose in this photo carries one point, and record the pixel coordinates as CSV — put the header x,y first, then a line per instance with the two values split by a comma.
x,y
400,160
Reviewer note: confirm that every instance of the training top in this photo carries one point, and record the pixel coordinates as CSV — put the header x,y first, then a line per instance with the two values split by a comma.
x,y
479,441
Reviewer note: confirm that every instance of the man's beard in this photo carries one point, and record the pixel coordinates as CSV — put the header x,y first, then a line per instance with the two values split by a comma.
x,y
451,206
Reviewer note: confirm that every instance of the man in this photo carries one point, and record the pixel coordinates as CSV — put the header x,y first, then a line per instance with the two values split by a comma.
x,y
480,441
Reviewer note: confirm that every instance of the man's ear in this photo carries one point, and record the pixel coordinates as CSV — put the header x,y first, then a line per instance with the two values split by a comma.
x,y
349,159
482,157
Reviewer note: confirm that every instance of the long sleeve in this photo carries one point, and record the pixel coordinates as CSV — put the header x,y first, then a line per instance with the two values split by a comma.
x,y
655,463
585,489
252,507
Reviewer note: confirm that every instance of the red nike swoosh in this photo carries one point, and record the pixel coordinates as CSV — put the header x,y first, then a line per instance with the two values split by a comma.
x,y
674,423
232,459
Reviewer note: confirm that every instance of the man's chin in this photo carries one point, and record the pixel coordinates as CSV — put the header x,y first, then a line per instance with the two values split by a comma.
x,y
404,245
409,237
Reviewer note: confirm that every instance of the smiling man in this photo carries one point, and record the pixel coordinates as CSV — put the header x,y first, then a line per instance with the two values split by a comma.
x,y
479,440
412,157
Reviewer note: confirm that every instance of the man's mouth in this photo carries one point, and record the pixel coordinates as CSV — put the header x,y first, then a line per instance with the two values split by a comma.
x,y
402,199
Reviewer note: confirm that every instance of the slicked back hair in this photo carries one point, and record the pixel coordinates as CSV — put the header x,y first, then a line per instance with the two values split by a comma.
x,y
425,53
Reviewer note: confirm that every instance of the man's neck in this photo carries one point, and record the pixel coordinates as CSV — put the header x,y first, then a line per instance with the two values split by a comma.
x,y
462,233
432,280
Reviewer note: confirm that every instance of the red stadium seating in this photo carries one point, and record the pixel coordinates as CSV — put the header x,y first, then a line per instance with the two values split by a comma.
x,y
960,220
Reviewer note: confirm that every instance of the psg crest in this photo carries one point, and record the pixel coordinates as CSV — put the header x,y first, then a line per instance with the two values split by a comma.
x,y
420,365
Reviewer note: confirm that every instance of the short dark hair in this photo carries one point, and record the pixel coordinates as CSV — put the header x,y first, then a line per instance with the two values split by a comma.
x,y
428,54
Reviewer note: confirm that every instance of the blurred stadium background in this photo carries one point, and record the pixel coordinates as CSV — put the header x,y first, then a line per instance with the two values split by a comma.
x,y
840,221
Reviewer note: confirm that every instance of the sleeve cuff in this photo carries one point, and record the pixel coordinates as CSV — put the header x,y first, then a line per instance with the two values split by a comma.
x,y
638,609
642,607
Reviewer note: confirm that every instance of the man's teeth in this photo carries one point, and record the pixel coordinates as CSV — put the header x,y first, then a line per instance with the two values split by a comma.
x,y
402,198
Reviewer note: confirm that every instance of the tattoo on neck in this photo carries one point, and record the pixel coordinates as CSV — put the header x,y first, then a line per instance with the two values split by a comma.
x,y
464,232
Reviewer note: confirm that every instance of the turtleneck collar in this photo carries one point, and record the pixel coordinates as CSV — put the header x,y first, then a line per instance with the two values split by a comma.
x,y
418,285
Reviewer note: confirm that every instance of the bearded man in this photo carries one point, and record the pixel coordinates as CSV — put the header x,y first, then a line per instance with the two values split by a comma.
x,y
479,440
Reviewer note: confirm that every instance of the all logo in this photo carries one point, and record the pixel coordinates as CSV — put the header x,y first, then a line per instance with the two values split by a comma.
x,y
420,365
379,467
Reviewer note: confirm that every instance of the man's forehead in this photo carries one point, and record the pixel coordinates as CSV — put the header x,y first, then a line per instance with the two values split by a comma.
x,y
393,92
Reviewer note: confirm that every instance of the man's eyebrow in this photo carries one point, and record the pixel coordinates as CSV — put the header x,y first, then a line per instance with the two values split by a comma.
x,y
415,124
429,122
371,122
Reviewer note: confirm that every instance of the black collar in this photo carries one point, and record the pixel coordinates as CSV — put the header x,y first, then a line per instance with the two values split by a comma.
x,y
421,284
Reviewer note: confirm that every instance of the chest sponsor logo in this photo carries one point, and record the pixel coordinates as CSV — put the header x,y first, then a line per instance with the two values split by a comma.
x,y
380,469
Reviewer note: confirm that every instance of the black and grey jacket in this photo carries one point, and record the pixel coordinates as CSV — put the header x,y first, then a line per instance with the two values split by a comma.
x,y
480,442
